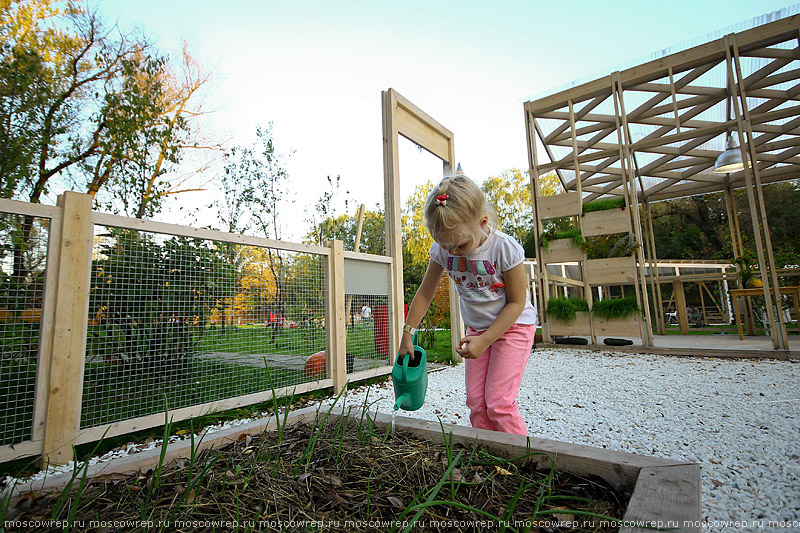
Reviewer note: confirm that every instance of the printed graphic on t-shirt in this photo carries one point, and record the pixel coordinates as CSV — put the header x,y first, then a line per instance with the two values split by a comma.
x,y
476,279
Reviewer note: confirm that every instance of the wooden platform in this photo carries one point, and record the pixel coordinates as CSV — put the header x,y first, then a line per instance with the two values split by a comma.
x,y
714,345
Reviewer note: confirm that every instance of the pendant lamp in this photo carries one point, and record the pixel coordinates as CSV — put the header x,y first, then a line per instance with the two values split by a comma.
x,y
731,159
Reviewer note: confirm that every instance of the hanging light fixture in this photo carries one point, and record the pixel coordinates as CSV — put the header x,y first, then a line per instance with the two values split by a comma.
x,y
731,159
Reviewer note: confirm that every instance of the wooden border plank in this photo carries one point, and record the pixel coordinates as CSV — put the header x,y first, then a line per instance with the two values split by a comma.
x,y
665,497
619,469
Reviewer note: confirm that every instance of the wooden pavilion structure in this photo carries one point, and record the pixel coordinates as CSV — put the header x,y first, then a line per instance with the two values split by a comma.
x,y
653,132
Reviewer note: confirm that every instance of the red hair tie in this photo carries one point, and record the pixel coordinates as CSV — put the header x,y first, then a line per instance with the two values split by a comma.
x,y
441,199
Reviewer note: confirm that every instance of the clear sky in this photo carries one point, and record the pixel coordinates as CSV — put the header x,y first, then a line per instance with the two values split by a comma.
x,y
316,69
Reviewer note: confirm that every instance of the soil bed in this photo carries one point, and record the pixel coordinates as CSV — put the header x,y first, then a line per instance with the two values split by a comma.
x,y
345,475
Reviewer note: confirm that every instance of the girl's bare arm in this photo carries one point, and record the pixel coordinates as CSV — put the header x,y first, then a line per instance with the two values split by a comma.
x,y
419,305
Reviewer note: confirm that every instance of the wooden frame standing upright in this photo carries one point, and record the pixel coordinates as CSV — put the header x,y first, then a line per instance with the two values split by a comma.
x,y
401,117
653,132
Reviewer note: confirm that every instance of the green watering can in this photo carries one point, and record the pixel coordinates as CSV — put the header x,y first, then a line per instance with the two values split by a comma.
x,y
410,380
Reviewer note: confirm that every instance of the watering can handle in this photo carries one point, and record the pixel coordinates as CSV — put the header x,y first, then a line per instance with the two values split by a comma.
x,y
406,359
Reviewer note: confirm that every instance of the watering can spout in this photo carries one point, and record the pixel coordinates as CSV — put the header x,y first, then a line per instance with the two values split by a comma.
x,y
400,400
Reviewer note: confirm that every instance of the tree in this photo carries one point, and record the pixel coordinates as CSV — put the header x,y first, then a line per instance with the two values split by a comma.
x,y
252,198
697,227
691,228
509,194
144,169
81,107
344,228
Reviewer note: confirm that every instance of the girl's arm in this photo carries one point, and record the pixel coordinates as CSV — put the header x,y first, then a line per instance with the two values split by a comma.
x,y
516,294
420,303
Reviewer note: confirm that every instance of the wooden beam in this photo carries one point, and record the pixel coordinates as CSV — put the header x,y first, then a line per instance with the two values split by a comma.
x,y
587,288
753,39
337,317
68,349
779,334
420,128
393,205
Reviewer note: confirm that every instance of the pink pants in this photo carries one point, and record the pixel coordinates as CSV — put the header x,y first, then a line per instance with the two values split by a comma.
x,y
493,380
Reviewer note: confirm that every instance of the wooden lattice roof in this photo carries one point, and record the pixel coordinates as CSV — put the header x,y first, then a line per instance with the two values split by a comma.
x,y
669,124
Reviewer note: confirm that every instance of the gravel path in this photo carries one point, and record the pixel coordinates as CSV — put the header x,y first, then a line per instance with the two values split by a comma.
x,y
739,419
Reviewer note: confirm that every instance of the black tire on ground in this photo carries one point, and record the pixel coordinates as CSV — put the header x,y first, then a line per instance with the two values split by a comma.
x,y
571,340
611,341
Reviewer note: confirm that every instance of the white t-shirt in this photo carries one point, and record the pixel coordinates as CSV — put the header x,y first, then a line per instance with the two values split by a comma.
x,y
480,281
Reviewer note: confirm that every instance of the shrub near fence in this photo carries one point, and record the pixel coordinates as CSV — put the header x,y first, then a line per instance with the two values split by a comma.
x,y
139,315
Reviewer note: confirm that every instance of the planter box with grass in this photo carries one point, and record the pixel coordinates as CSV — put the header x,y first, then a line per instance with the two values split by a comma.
x,y
562,251
617,317
568,316
612,271
560,205
577,327
606,222
618,327
287,466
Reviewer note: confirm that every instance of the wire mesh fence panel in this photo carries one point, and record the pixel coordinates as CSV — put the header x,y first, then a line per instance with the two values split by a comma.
x,y
177,322
24,261
369,314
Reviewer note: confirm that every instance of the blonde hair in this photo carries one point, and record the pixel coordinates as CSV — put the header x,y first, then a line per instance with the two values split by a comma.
x,y
460,213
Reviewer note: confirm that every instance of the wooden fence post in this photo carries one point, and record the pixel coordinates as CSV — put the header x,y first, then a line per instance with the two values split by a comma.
x,y
337,324
68,347
680,304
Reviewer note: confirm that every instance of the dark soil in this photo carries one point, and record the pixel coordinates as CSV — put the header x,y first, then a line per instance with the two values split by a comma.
x,y
345,475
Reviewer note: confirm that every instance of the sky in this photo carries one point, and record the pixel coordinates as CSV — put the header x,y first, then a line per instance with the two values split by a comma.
x,y
315,69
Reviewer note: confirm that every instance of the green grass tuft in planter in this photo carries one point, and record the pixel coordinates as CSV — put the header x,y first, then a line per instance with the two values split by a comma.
x,y
604,204
565,309
614,308
573,233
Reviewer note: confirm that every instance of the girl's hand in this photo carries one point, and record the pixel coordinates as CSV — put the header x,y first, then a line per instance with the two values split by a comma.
x,y
406,347
472,346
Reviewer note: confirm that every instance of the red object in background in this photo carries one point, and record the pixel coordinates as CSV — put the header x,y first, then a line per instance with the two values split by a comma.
x,y
381,329
315,365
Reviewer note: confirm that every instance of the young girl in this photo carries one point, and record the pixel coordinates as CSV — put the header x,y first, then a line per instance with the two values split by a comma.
x,y
486,266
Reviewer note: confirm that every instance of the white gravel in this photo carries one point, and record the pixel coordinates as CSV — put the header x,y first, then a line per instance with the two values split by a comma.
x,y
737,418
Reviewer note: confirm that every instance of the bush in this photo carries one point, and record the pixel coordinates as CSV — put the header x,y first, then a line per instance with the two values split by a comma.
x,y
565,309
571,233
611,308
604,204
